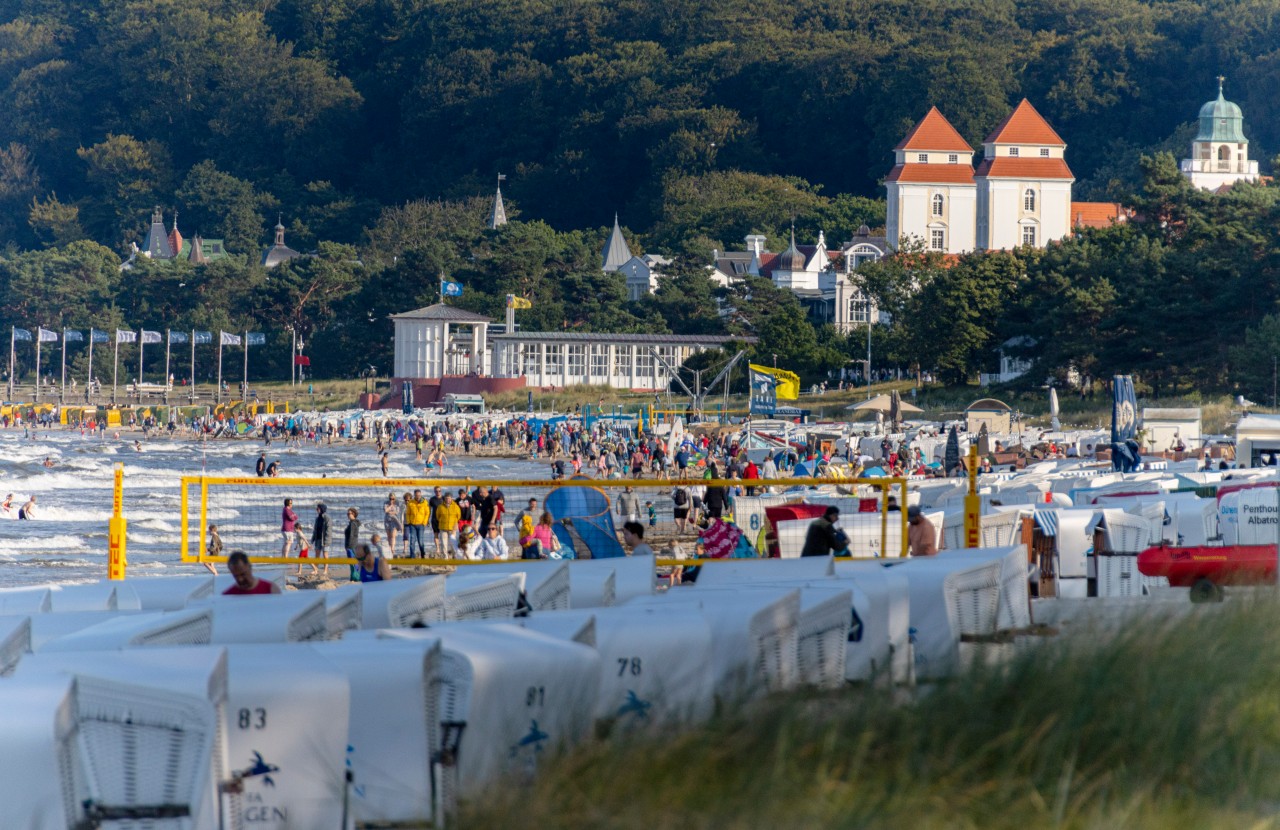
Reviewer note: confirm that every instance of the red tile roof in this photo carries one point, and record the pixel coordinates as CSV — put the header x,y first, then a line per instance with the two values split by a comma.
x,y
1005,167
934,133
1024,126
1097,214
931,173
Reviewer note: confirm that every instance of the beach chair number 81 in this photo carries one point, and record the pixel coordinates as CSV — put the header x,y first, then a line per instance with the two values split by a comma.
x,y
626,664
535,696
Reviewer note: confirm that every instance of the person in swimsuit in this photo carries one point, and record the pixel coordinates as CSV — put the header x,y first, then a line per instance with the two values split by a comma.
x,y
7,506
28,510
372,568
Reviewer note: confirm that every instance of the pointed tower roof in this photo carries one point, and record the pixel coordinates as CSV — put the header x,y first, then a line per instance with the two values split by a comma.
x,y
1024,126
498,216
934,132
616,252
197,257
157,244
791,259
175,237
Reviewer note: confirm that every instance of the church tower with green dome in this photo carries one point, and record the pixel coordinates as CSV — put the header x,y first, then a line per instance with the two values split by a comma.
x,y
1220,152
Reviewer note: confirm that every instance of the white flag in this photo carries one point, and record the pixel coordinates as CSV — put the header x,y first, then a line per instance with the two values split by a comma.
x,y
230,339
151,336
47,336
126,336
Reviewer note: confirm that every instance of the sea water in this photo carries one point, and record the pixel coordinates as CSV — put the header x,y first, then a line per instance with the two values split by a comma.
x,y
67,541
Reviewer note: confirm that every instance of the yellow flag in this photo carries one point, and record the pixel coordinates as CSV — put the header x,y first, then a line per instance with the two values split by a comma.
x,y
788,388
518,302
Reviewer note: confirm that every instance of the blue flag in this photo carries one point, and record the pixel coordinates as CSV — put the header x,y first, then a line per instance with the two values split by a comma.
x,y
201,338
96,336
72,337
21,334
256,338
452,289
178,337
1124,424
764,393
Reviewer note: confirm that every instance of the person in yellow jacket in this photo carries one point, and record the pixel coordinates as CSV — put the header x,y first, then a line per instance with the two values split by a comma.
x,y
417,513
448,514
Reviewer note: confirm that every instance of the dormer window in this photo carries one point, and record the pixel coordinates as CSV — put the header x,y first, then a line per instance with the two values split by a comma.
x,y
1013,151
953,159
923,158
1044,152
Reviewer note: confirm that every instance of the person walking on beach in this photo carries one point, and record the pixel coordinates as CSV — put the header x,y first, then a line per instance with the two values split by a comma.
x,y
288,523
392,521
320,535
261,466
446,518
629,505
416,515
823,537
247,584
351,534
922,536
384,465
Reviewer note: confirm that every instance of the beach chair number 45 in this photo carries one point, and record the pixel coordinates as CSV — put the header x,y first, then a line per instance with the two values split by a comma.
x,y
628,664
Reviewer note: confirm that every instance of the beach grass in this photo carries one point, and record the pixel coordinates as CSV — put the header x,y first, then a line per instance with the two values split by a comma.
x,y
1167,725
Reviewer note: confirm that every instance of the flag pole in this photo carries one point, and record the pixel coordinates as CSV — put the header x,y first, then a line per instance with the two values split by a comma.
x,y
168,347
193,366
217,395
38,330
62,396
142,347
115,367
88,389
244,387
12,334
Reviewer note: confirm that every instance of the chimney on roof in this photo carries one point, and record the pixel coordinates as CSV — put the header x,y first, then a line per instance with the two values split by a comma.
x,y
755,243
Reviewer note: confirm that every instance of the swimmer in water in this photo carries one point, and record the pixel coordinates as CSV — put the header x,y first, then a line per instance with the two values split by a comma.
x,y
137,445
48,462
7,505
28,510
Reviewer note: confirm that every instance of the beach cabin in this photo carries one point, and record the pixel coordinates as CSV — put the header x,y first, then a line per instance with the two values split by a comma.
x,y
1258,441
1165,427
996,415
456,402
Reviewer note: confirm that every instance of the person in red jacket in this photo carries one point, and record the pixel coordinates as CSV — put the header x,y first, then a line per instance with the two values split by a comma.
x,y
246,583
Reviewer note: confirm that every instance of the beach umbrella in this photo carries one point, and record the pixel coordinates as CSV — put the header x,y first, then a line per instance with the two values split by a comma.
x,y
1055,425
882,403
951,459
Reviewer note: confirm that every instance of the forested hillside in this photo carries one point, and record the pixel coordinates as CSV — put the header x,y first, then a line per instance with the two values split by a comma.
x,y
377,128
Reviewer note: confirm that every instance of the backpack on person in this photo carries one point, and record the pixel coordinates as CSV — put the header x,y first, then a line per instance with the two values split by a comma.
x,y
680,497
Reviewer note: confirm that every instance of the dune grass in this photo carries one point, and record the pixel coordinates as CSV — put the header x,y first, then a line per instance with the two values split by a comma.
x,y
1166,726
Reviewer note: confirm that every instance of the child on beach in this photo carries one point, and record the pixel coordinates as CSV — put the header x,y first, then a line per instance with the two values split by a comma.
x,y
214,548
653,513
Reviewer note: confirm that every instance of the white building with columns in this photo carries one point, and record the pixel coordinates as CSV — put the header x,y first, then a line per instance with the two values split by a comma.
x,y
1220,152
622,361
440,340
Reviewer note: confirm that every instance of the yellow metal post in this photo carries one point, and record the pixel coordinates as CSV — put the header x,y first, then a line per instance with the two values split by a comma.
x,y
116,561
972,504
